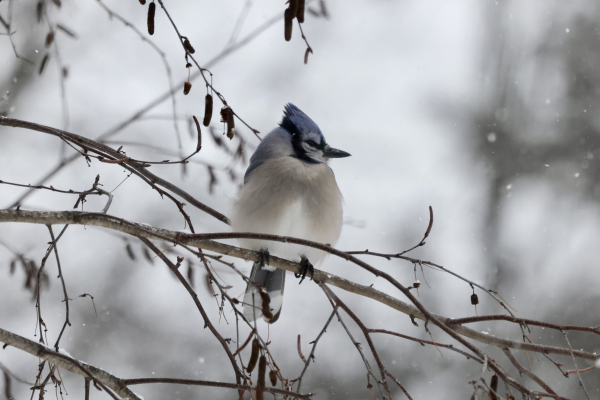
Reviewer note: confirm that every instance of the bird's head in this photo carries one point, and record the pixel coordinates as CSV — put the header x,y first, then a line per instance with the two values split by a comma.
x,y
307,139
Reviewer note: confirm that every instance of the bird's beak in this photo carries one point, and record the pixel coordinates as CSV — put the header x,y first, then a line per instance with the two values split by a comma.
x,y
330,152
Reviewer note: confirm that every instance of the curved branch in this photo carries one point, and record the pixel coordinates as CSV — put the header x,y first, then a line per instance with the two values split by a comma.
x,y
104,150
207,323
215,384
118,385
68,363
424,342
135,229
468,320
527,372
157,101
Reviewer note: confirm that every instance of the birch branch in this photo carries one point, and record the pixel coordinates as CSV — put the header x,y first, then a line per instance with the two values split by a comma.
x,y
68,363
140,230
118,385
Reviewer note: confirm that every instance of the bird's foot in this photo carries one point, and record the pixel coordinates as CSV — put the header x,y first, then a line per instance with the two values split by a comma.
x,y
306,266
264,257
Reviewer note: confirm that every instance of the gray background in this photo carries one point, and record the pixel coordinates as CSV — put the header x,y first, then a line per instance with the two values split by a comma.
x,y
485,110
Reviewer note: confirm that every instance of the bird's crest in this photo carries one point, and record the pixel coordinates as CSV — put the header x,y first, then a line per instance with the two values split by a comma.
x,y
295,121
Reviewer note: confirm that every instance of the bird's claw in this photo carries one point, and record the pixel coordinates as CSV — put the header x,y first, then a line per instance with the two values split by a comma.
x,y
306,266
264,257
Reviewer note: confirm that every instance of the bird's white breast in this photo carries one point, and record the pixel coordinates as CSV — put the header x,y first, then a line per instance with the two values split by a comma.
x,y
285,196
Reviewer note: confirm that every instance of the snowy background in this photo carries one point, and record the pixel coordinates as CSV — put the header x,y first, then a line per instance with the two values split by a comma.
x,y
485,110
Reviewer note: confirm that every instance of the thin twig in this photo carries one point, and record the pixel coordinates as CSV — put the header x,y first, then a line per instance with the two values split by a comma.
x,y
206,81
461,321
527,372
134,229
154,103
207,323
576,367
130,382
365,331
163,58
62,279
424,342
311,356
100,377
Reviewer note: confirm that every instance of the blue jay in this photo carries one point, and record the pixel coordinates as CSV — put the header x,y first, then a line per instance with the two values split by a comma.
x,y
289,190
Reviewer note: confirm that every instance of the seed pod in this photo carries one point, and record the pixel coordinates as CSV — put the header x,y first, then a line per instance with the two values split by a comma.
x,y
266,305
213,179
130,252
190,274
253,356
225,114
57,3
306,53
416,284
187,87
208,106
273,377
199,145
227,117
142,2
188,65
49,39
235,301
300,13
289,23
43,64
188,46
260,384
494,387
474,299
151,12
66,30
147,255
293,8
39,11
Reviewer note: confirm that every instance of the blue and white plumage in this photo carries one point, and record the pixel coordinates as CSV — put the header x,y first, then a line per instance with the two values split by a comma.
x,y
288,190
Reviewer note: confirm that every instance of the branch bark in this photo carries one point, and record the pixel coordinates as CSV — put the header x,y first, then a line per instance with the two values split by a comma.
x,y
68,363
105,150
135,229
118,385
527,372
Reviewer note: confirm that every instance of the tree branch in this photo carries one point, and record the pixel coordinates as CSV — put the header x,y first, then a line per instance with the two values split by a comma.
x,y
118,385
139,168
60,360
207,323
135,229
216,384
527,372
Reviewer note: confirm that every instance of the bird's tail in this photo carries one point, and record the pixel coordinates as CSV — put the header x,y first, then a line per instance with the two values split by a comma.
x,y
271,280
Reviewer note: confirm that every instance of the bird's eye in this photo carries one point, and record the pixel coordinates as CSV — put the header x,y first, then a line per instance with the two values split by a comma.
x,y
311,143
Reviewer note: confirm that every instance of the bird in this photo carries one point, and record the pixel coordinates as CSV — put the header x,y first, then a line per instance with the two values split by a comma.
x,y
289,190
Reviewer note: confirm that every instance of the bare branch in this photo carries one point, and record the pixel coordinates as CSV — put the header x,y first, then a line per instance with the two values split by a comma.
x,y
137,167
461,321
576,367
99,376
424,342
527,372
156,102
129,382
135,229
311,356
207,323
